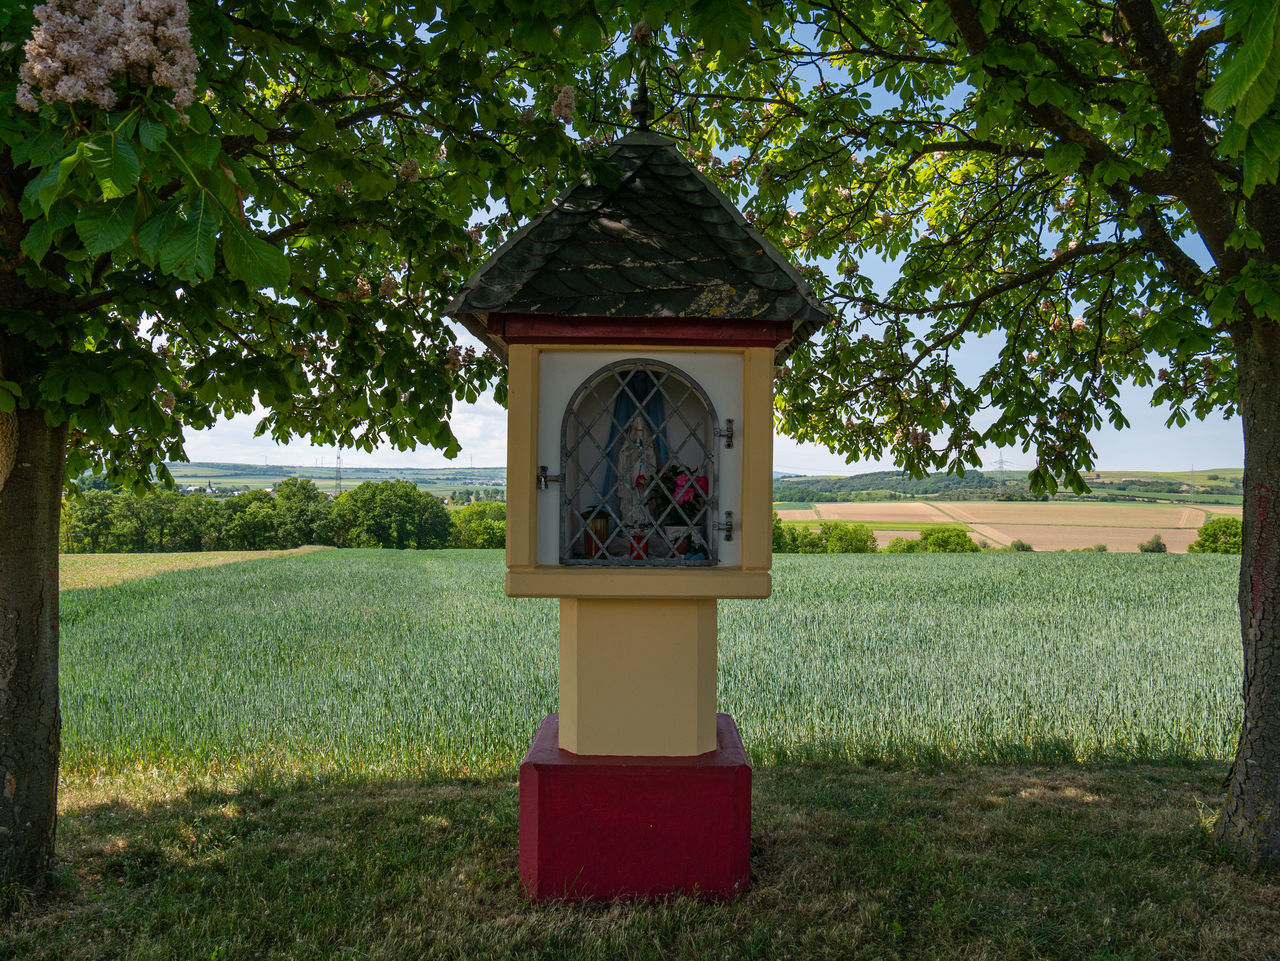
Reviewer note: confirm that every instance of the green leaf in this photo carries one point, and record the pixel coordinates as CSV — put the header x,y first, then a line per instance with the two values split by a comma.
x,y
55,178
202,151
1256,24
152,133
188,251
1064,157
1261,95
1257,168
39,236
153,232
10,394
103,227
114,163
256,262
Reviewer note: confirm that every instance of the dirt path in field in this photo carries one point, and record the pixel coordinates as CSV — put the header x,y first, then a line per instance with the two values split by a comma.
x,y
1193,517
99,570
993,534
955,513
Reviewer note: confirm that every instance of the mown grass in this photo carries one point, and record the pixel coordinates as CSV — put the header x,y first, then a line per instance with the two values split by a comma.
x,y
414,664
847,862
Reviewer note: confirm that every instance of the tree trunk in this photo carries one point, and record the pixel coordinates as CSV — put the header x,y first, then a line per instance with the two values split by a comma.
x,y
30,724
1250,821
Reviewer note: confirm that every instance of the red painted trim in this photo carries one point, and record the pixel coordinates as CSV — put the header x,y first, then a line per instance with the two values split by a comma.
x,y
663,331
635,827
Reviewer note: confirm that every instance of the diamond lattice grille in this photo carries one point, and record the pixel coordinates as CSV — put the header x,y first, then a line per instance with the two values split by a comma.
x,y
639,469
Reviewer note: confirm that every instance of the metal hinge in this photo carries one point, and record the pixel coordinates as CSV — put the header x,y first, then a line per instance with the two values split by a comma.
x,y
544,478
726,432
727,524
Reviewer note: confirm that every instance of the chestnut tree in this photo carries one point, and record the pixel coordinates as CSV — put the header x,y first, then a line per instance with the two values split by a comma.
x,y
210,207
1083,190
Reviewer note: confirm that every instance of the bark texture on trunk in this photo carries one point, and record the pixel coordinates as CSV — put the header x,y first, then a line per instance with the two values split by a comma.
x,y
1250,820
30,724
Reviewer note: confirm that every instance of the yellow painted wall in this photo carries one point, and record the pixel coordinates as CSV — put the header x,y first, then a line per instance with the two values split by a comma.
x,y
526,578
638,677
522,455
757,460
655,582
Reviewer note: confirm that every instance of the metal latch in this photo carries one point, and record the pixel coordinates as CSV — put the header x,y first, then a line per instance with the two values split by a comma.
x,y
726,432
544,478
727,524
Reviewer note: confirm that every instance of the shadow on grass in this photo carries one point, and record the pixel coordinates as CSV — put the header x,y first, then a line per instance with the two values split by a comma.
x,y
848,862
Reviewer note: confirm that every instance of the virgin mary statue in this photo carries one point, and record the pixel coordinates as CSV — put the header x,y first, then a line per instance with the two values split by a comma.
x,y
637,467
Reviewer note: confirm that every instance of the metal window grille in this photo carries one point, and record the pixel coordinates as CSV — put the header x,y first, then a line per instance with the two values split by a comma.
x,y
639,459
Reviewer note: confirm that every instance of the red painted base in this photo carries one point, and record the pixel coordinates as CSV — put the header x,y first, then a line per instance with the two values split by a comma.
x,y
595,827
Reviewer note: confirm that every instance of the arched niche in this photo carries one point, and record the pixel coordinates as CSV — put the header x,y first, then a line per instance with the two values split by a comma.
x,y
639,469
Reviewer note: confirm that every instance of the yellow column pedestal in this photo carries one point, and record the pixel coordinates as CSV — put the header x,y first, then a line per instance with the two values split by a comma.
x,y
638,677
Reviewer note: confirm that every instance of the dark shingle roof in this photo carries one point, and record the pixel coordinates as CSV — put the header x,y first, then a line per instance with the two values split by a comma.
x,y
663,242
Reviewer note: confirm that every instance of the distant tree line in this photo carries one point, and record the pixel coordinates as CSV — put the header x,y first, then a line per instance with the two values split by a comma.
x,y
832,489
393,514
832,537
468,494
976,485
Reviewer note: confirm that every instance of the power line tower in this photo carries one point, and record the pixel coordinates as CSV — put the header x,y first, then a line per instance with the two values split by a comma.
x,y
1000,467
337,474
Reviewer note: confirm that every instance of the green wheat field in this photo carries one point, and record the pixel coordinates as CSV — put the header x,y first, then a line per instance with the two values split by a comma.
x,y
414,664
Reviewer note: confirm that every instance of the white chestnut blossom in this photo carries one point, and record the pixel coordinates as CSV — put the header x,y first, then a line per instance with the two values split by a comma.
x,y
562,109
80,49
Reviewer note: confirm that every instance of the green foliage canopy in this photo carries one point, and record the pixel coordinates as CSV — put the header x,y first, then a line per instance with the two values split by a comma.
x,y
286,242
1040,174
1221,535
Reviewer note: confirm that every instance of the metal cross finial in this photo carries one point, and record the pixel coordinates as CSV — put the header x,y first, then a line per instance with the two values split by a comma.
x,y
641,108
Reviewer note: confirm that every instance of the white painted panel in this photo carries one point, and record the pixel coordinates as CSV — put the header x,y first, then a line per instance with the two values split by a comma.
x,y
560,374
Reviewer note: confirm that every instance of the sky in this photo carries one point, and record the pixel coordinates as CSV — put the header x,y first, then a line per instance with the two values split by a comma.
x,y
482,430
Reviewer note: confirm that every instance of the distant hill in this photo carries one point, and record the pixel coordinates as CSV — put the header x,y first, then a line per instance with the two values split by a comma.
x,y
1220,485
438,480
828,489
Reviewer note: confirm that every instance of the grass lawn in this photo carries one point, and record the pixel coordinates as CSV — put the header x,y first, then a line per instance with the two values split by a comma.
x,y
847,862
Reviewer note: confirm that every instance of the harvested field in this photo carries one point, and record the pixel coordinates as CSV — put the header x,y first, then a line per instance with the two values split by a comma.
x,y
1228,509
1045,526
884,537
1154,517
98,570
1051,537
911,512
797,515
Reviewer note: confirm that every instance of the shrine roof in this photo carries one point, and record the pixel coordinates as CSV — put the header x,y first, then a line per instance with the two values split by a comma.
x,y
662,242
